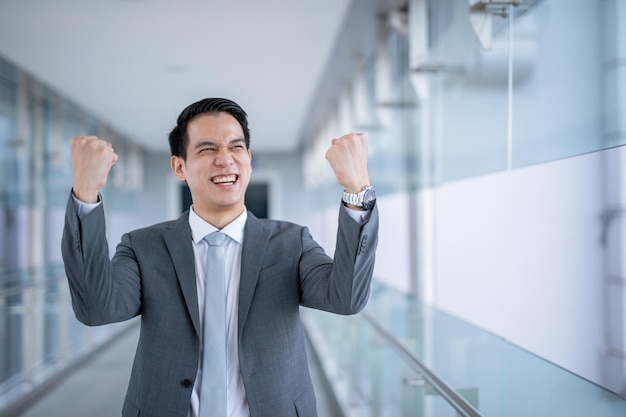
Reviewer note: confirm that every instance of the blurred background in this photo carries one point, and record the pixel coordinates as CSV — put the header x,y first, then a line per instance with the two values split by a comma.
x,y
496,132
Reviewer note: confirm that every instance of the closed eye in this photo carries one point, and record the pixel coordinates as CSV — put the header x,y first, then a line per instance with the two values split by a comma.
x,y
234,146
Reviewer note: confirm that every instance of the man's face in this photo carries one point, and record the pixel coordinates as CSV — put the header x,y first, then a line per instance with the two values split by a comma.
x,y
218,166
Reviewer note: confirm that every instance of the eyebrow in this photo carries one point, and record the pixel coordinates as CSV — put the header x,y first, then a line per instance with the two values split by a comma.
x,y
209,143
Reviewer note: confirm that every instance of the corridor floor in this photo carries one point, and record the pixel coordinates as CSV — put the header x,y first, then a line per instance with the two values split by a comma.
x,y
97,388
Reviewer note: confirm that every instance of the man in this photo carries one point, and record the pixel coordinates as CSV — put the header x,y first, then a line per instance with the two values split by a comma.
x,y
271,268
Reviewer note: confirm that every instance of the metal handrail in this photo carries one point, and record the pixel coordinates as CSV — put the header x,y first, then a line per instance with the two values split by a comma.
x,y
464,408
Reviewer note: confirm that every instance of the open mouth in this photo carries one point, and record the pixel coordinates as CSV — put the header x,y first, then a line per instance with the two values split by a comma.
x,y
224,179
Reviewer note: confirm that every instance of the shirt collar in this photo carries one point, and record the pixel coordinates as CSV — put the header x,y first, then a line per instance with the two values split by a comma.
x,y
200,228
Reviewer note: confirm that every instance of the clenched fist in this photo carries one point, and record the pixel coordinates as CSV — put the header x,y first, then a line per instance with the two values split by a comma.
x,y
92,159
348,159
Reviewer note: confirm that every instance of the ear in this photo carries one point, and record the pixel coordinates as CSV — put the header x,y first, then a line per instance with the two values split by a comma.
x,y
178,167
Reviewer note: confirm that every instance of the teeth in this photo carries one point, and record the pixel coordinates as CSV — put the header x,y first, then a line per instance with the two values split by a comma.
x,y
224,179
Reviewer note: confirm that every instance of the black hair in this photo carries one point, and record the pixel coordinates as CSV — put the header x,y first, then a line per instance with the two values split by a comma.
x,y
178,136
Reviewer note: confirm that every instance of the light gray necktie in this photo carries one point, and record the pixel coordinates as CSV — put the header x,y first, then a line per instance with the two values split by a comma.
x,y
213,388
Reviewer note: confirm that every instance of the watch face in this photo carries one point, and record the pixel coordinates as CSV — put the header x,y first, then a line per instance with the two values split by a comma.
x,y
369,199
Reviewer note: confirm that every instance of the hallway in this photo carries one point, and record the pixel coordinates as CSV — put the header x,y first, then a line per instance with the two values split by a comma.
x,y
95,389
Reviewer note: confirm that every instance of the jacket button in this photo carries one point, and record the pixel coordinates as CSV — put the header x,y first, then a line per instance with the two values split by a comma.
x,y
185,383
363,244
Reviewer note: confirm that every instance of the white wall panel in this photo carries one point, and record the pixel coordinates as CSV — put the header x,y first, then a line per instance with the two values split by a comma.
x,y
519,254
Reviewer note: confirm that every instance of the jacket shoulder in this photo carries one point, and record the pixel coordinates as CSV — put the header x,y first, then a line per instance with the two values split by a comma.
x,y
278,227
162,227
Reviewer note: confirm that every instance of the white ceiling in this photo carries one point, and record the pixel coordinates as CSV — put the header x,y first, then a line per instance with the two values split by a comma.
x,y
137,63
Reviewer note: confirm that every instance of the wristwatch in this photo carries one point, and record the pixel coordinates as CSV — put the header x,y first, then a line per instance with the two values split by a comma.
x,y
365,199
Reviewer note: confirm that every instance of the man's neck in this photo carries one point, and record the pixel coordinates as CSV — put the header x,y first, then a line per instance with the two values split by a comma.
x,y
219,219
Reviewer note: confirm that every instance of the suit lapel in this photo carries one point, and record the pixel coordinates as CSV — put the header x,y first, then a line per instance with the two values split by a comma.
x,y
178,241
256,238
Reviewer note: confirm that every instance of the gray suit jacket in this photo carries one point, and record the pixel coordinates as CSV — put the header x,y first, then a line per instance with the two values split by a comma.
x,y
152,274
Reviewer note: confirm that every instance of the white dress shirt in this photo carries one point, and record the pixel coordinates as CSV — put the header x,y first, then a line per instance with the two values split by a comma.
x,y
236,402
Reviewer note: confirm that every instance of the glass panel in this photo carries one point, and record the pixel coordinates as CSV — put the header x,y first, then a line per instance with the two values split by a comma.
x,y
367,375
7,132
500,378
38,330
561,97
52,328
11,337
558,101
394,162
469,94
59,175
78,333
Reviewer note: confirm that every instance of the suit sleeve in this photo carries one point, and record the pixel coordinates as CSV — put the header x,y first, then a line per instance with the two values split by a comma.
x,y
340,285
99,295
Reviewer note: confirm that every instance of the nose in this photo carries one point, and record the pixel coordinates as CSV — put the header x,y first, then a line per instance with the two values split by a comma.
x,y
224,156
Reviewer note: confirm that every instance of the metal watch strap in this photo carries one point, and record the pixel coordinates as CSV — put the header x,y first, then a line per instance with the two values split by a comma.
x,y
354,199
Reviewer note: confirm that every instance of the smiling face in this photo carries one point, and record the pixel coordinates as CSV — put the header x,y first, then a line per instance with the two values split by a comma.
x,y
217,167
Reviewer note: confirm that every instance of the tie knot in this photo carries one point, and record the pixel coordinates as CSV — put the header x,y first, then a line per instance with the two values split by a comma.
x,y
215,238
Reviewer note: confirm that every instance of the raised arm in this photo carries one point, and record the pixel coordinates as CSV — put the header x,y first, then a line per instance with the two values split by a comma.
x,y
341,285
97,296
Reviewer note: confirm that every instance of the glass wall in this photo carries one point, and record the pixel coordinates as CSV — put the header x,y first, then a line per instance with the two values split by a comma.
x,y
454,89
458,89
38,331
496,377
516,85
